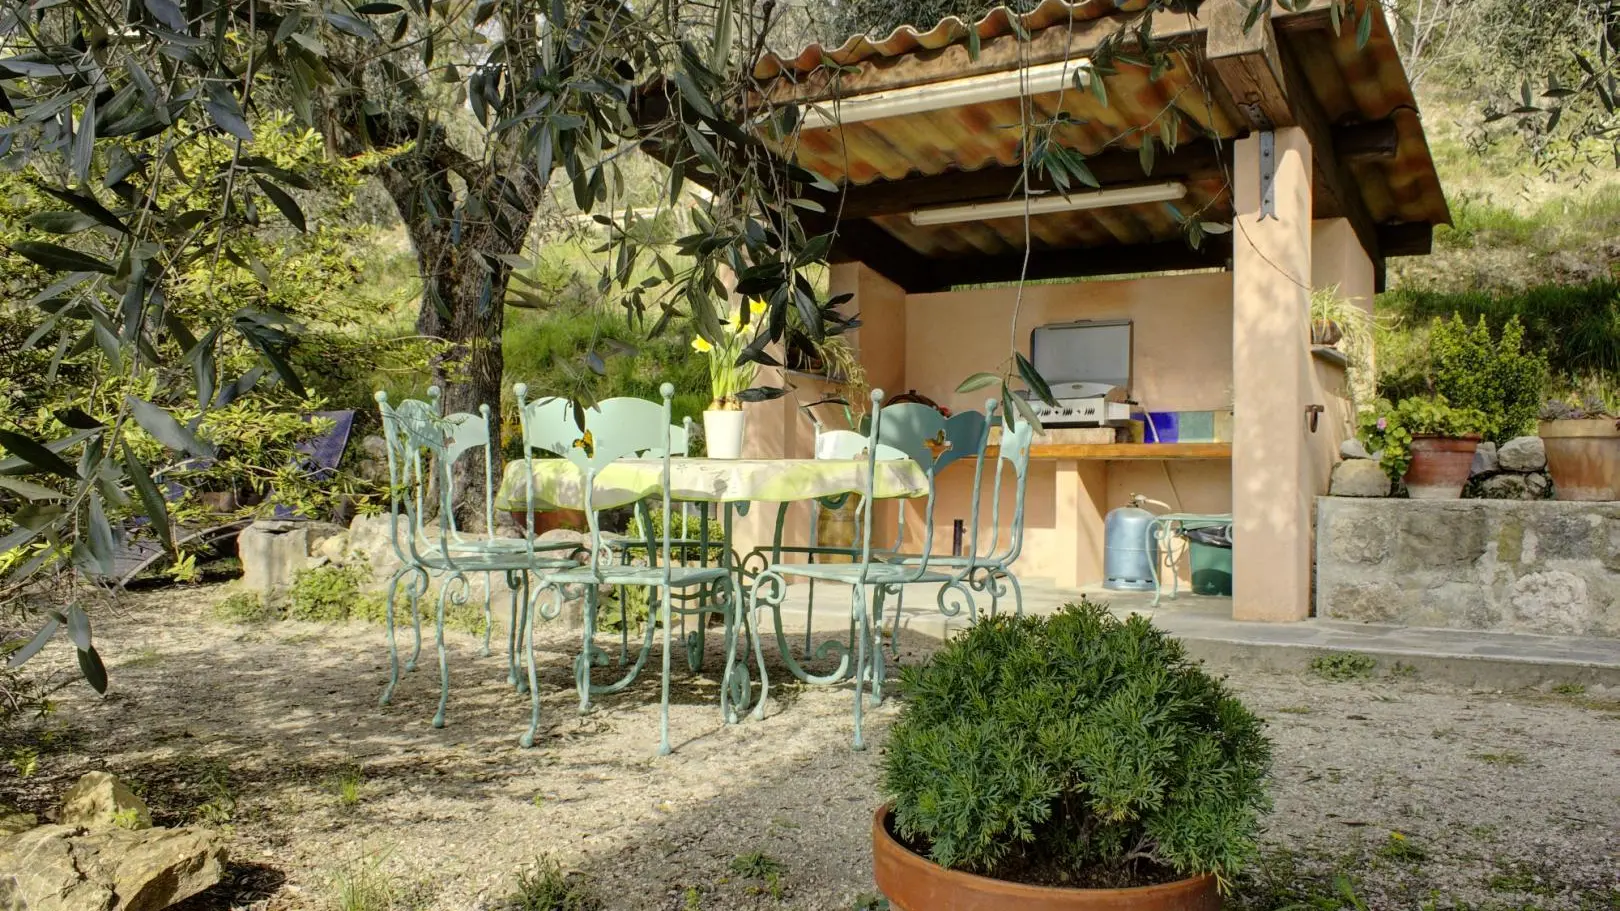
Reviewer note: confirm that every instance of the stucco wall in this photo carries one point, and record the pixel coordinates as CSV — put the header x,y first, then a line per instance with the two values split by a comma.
x,y
1181,335
1525,566
1182,361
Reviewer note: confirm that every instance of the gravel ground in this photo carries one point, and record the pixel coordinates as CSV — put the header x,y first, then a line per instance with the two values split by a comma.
x,y
1500,800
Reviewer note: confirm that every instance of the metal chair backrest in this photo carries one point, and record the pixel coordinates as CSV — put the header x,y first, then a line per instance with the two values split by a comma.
x,y
548,424
614,430
1013,454
419,444
934,442
847,444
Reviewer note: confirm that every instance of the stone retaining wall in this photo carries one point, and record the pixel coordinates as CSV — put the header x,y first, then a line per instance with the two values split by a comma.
x,y
1523,566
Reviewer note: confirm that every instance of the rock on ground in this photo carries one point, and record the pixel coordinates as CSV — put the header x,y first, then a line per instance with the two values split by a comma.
x,y
1522,454
1485,460
13,821
1359,478
96,801
58,869
1353,449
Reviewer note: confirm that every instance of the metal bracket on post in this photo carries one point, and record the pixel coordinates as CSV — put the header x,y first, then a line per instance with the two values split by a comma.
x,y
1268,175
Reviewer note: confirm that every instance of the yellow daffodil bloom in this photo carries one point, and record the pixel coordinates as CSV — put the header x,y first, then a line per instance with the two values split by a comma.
x,y
702,345
757,308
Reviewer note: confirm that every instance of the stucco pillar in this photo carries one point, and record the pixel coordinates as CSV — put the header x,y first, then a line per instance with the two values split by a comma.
x,y
880,344
1272,383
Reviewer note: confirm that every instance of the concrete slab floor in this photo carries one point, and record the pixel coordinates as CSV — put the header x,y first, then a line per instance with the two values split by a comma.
x,y
1483,659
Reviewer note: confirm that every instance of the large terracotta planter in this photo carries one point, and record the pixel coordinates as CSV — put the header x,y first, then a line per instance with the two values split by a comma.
x,y
1583,458
1440,467
552,519
914,883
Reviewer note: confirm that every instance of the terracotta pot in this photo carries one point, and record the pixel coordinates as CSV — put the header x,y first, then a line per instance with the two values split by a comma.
x,y
836,528
1325,332
914,883
1440,466
1583,458
552,519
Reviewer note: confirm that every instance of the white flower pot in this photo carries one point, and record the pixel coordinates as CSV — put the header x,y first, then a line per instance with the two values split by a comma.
x,y
723,431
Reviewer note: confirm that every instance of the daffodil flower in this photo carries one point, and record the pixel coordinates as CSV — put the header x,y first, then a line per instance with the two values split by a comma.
x,y
701,345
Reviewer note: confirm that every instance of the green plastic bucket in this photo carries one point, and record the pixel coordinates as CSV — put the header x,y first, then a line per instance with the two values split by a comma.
x,y
1211,568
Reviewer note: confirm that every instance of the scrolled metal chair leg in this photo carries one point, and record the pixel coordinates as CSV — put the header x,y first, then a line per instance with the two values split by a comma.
x,y
663,701
527,740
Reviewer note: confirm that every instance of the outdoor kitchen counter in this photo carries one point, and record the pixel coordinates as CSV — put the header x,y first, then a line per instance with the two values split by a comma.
x,y
1122,452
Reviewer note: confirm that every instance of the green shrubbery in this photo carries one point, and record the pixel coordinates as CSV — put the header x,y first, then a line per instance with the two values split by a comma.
x,y
1495,377
333,594
1079,749
1576,328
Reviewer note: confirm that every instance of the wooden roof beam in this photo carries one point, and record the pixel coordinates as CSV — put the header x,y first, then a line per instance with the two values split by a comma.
x,y
1406,238
1367,141
1088,262
1247,62
862,241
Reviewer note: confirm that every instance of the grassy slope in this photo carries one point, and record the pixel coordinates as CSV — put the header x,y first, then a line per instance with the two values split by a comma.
x,y
1542,244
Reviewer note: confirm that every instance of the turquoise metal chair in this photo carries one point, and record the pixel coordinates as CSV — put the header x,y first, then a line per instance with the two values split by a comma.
x,y
634,430
922,435
985,564
548,426
468,433
836,445
422,448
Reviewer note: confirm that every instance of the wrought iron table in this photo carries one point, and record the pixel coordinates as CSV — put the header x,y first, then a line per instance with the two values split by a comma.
x,y
733,484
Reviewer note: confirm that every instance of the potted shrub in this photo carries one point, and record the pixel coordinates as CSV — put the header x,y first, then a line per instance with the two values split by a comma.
x,y
1076,761
1583,449
1426,444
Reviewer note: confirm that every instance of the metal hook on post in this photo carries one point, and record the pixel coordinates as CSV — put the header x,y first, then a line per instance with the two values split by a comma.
x,y
1312,414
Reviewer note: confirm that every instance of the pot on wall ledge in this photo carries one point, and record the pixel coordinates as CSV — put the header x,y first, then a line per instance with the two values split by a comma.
x,y
915,883
1440,466
1583,457
1325,332
723,432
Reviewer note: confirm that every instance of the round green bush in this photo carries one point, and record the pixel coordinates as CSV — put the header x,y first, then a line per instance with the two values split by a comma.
x,y
1077,749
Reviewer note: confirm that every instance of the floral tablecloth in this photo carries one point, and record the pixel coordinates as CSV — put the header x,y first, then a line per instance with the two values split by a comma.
x,y
559,483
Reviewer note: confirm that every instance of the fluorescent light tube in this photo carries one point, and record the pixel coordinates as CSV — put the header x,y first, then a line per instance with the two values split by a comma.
x,y
1050,203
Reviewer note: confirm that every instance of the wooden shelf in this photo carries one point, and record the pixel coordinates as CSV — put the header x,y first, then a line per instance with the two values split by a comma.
x,y
1125,452
1330,355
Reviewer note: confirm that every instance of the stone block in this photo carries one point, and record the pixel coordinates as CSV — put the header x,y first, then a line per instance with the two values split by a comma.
x,y
1353,449
1537,484
1552,602
99,801
1505,487
271,553
1566,535
1440,536
1361,538
1359,478
1363,602
1485,461
1522,454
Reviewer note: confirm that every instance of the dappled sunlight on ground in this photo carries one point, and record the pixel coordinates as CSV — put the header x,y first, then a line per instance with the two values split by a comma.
x,y
275,732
